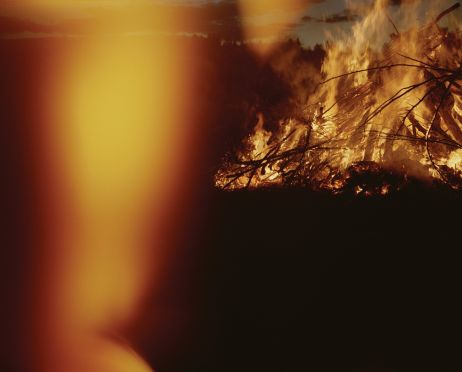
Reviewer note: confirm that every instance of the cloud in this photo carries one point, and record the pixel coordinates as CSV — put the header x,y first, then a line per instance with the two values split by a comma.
x,y
38,35
401,2
202,17
216,18
345,15
353,12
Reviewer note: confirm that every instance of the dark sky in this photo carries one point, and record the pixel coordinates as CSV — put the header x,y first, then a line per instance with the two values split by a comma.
x,y
310,22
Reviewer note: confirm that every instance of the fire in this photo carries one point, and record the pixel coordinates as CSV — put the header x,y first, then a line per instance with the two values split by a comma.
x,y
391,100
111,119
455,160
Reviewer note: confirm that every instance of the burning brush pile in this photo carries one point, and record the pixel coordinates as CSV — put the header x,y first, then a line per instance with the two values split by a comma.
x,y
379,117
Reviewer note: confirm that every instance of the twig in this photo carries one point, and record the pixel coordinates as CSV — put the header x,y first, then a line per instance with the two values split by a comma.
x,y
446,12
427,134
393,23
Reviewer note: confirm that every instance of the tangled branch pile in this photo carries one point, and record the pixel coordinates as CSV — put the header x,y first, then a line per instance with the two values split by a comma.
x,y
377,118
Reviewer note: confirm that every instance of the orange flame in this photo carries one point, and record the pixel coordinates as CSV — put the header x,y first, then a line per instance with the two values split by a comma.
x,y
390,98
111,121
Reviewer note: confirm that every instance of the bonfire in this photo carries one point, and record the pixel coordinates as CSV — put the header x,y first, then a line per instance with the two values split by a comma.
x,y
379,117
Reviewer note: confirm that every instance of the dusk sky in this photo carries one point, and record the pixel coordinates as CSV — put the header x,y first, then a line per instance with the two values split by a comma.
x,y
309,20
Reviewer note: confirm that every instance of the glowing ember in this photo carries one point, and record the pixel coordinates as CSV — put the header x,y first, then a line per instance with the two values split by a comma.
x,y
384,107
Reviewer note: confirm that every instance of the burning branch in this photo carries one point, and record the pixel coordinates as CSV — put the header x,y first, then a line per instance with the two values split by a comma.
x,y
368,117
446,12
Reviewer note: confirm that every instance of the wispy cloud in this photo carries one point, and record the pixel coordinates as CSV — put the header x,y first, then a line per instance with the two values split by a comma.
x,y
38,35
216,18
345,15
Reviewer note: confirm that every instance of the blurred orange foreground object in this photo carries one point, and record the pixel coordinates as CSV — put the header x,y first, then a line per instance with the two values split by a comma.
x,y
111,140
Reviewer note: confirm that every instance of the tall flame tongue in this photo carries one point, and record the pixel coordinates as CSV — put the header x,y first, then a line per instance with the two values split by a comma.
x,y
388,108
110,105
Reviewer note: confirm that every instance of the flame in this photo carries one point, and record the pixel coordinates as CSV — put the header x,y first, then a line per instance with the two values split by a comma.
x,y
455,160
387,96
112,120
